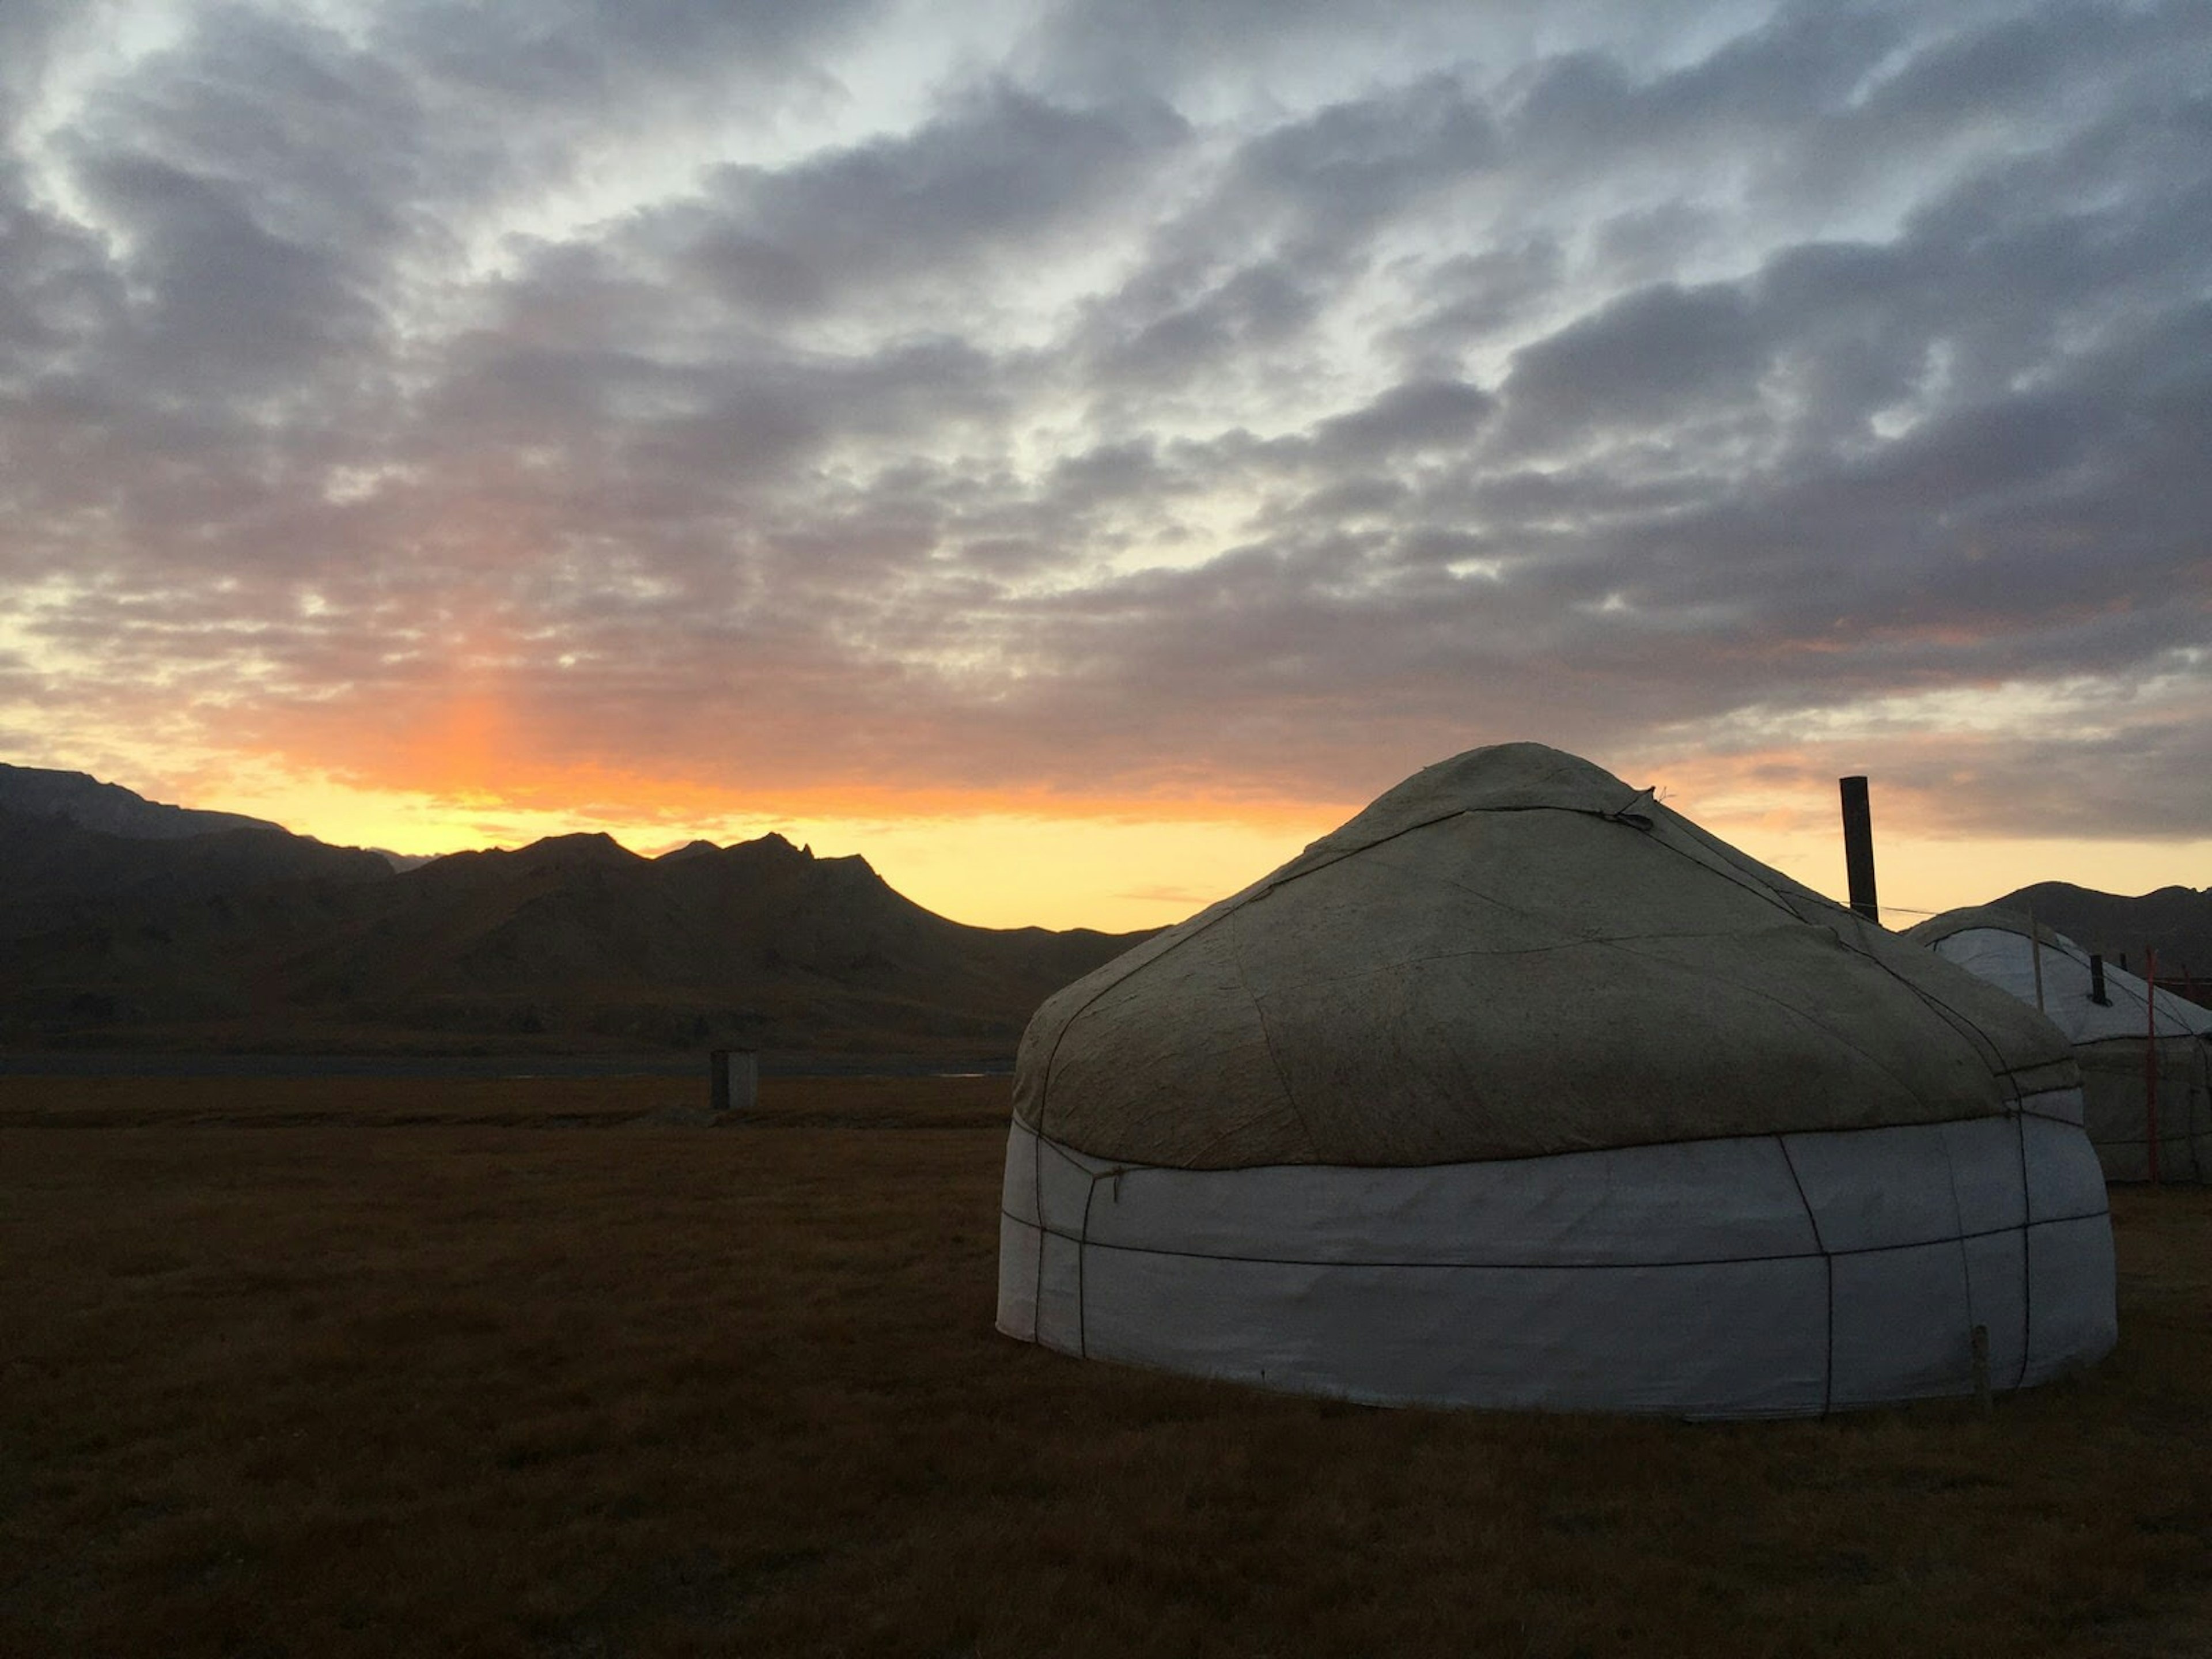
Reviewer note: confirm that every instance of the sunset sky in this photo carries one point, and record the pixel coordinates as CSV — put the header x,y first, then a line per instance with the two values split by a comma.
x,y
1074,454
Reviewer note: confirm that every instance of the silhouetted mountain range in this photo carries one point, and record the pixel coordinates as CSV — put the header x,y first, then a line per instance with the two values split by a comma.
x,y
254,939
125,923
2175,921
54,867
75,798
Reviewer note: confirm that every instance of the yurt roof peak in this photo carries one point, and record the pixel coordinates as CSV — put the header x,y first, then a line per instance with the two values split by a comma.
x,y
1515,953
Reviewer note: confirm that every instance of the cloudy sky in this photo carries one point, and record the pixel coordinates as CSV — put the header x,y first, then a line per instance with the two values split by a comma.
x,y
1075,453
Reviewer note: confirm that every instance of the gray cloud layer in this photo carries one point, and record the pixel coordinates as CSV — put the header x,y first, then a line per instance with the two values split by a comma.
x,y
1229,400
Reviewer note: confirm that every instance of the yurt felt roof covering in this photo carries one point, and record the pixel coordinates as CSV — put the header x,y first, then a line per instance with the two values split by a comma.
x,y
1938,928
1993,944
1510,954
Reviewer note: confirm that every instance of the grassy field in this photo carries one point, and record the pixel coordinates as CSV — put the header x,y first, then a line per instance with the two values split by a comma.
x,y
365,1367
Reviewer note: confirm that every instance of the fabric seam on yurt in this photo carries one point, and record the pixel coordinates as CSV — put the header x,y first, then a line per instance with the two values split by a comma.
x,y
1082,1261
1266,1034
1370,1237
2027,1254
1392,1264
2026,1227
1958,1021
1959,1221
1729,869
2016,1106
1268,884
1828,1266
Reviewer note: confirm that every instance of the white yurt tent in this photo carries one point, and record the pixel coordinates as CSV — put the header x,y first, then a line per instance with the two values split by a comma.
x,y
1519,1089
2118,1040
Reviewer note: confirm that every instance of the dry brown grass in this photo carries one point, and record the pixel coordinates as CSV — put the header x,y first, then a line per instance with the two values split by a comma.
x,y
376,1367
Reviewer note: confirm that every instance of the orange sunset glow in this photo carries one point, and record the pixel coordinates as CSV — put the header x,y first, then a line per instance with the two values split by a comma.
x,y
1022,860
1073,467
842,826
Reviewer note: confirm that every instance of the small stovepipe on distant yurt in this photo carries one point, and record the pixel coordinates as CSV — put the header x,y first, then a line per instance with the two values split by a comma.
x,y
2145,1054
1522,1090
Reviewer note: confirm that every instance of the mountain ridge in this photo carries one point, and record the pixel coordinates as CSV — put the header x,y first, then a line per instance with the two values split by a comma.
x,y
80,799
2175,921
181,929
259,941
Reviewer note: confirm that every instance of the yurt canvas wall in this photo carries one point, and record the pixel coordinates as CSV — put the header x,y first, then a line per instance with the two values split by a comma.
x,y
2118,1042
1520,1090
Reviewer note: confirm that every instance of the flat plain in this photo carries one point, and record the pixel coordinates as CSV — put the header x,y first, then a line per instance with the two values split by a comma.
x,y
546,1367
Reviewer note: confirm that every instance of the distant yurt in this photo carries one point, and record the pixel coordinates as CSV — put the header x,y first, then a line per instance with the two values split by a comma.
x,y
1521,1090
2138,1067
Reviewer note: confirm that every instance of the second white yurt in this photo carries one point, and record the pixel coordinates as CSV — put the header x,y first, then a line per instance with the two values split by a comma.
x,y
1521,1090
2146,1054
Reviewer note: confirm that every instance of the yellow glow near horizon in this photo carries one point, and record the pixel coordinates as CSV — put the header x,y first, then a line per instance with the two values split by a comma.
x,y
1116,872
1136,867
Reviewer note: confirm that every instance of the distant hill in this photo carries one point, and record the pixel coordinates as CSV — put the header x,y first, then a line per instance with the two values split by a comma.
x,y
2175,921
256,939
51,866
31,791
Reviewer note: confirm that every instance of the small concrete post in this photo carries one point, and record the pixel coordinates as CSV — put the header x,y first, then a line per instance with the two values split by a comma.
x,y
1858,846
732,1080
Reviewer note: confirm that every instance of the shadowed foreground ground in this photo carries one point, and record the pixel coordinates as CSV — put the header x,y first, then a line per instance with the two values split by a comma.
x,y
365,1367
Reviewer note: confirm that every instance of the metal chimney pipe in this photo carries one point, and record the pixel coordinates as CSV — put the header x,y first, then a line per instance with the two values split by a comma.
x,y
2097,981
1858,846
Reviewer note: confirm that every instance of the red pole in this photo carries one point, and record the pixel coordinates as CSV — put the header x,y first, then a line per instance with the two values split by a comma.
x,y
2150,1056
